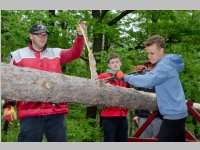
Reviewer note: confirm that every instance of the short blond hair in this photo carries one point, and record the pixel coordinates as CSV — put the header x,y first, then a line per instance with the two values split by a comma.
x,y
155,39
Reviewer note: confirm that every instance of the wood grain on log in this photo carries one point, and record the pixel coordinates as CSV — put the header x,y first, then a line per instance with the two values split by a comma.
x,y
26,84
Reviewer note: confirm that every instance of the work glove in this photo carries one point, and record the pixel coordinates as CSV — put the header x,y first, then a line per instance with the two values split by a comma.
x,y
119,75
136,121
9,114
83,24
140,69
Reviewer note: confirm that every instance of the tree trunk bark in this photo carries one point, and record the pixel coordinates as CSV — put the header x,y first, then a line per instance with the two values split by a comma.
x,y
97,37
52,14
26,84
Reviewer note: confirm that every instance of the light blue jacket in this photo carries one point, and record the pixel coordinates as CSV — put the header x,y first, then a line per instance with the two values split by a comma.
x,y
169,91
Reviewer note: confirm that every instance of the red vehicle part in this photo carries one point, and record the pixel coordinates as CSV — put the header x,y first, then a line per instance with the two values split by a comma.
x,y
189,136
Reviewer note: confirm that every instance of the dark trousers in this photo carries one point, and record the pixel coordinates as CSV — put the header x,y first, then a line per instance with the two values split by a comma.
x,y
91,112
32,129
115,129
172,131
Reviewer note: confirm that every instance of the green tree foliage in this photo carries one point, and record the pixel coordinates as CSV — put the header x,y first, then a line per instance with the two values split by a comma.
x,y
109,31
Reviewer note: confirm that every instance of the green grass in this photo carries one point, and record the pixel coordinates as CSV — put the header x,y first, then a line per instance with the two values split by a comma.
x,y
79,128
82,129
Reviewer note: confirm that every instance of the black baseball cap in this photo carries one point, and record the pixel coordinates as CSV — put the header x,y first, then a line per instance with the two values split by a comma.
x,y
38,28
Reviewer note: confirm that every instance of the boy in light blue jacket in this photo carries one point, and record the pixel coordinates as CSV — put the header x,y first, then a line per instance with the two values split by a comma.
x,y
169,91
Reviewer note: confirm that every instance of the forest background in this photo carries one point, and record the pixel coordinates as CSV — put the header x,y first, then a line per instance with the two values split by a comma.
x,y
109,31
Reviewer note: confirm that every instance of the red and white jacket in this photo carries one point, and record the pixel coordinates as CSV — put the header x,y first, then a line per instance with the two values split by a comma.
x,y
50,59
113,111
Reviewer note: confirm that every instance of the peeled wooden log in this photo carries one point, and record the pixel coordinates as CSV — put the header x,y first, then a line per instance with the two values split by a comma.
x,y
26,84
92,61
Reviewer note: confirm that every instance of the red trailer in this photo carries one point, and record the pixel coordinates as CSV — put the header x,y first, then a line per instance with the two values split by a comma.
x,y
189,137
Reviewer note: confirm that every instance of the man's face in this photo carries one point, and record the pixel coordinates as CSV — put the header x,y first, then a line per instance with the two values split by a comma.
x,y
154,53
39,40
115,64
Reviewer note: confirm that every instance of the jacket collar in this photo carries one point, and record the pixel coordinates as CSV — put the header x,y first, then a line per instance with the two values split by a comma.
x,y
31,48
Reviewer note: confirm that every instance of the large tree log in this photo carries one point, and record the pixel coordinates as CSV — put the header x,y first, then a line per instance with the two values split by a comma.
x,y
26,84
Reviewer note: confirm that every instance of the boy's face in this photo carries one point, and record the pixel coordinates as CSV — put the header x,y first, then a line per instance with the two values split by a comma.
x,y
154,53
115,64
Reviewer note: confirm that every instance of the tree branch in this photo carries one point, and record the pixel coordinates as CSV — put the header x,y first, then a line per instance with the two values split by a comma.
x,y
104,13
116,19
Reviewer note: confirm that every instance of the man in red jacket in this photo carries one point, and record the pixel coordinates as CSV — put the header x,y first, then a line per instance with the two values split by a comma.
x,y
114,120
38,118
